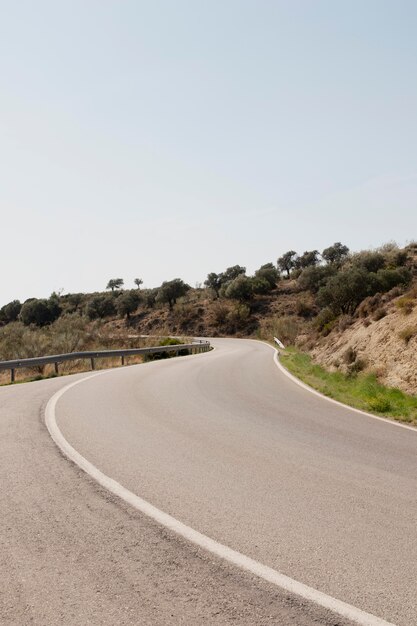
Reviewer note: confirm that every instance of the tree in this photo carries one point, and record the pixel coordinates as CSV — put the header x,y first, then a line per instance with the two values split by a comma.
x,y
345,290
214,281
127,303
10,312
269,273
336,253
40,312
231,273
150,296
101,306
240,288
310,258
260,285
286,262
73,302
389,278
370,261
315,276
115,283
138,282
171,290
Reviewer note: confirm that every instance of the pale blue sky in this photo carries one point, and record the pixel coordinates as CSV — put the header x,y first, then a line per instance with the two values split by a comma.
x,y
173,138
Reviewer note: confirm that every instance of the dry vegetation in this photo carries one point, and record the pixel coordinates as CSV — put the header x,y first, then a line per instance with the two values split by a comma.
x,y
352,313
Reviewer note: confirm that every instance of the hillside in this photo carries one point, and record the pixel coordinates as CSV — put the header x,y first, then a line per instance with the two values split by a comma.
x,y
386,346
351,312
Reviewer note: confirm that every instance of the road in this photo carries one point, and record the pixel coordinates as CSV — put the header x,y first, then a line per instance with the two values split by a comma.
x,y
227,445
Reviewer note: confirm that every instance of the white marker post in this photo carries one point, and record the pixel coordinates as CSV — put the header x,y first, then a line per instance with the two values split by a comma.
x,y
279,343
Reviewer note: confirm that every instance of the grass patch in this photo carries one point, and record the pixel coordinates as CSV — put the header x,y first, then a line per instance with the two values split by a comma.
x,y
362,391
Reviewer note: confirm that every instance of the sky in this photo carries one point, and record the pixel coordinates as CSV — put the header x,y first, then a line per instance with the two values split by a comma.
x,y
172,139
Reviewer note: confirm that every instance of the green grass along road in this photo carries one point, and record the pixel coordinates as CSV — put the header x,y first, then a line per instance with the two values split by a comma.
x,y
361,391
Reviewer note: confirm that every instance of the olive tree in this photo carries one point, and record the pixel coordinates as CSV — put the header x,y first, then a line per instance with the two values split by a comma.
x,y
336,253
171,290
40,312
287,262
127,303
10,312
115,283
240,288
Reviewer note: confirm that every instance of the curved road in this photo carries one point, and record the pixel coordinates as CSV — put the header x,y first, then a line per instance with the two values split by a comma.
x,y
228,445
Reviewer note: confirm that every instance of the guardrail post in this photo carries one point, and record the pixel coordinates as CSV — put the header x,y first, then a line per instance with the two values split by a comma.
x,y
123,359
56,368
12,375
92,364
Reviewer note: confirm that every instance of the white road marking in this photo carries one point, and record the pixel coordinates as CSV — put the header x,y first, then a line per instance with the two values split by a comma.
x,y
224,552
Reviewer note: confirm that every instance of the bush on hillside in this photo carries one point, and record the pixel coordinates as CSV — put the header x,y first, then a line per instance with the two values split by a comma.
x,y
335,254
346,290
313,278
171,290
101,306
40,312
405,305
239,289
127,303
369,260
10,312
269,273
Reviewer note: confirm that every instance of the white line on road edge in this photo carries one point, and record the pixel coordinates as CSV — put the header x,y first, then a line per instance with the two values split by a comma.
x,y
224,552
321,395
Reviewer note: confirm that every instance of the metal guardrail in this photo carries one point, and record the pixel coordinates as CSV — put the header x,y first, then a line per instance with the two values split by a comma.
x,y
56,359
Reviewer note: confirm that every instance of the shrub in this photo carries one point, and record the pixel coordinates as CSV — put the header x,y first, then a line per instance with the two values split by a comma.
x,y
345,321
260,285
379,404
167,341
355,368
220,312
101,306
286,329
40,312
269,273
20,342
10,312
68,334
390,278
73,302
150,296
314,277
239,314
184,313
405,305
379,314
369,261
304,308
240,289
350,355
393,293
325,316
344,291
127,303
407,334
369,305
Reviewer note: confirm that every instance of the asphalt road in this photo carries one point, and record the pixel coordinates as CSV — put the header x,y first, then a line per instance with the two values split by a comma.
x,y
229,446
